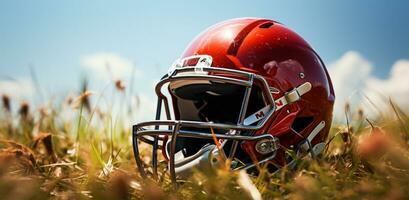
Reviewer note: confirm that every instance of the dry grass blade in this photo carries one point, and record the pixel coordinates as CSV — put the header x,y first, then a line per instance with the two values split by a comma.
x,y
247,185
6,103
46,140
44,154
222,155
397,112
19,153
24,110
120,85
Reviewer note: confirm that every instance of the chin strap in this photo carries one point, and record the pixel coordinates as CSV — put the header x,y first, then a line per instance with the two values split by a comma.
x,y
288,98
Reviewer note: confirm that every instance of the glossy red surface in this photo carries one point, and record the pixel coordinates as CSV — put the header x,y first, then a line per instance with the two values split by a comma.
x,y
281,56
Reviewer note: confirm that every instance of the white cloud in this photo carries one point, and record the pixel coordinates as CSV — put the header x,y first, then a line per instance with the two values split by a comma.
x,y
353,80
111,66
348,75
396,86
146,109
19,88
108,66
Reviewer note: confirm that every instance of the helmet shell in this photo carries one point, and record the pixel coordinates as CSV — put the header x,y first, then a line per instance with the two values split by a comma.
x,y
285,60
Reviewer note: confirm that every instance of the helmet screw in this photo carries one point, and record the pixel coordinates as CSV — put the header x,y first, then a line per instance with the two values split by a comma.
x,y
302,75
266,146
263,147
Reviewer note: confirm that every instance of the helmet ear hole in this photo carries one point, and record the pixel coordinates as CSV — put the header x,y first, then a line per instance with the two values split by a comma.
x,y
266,25
300,123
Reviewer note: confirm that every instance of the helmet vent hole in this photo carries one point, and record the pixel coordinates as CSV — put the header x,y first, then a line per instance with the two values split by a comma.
x,y
266,25
300,123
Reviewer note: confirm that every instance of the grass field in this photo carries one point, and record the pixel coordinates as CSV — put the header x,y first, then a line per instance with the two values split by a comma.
x,y
44,154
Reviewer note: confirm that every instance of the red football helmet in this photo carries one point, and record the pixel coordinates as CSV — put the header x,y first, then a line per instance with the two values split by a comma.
x,y
248,89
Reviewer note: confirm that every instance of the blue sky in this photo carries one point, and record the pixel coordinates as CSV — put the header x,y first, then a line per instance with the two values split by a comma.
x,y
54,36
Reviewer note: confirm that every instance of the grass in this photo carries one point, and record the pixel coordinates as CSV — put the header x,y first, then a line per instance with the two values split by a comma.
x,y
44,154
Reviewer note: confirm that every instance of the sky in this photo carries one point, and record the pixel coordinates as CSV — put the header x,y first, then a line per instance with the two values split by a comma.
x,y
365,44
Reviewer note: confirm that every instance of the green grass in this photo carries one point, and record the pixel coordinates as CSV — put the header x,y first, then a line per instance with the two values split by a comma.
x,y
45,155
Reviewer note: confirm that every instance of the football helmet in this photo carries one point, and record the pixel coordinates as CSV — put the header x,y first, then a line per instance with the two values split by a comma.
x,y
246,90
